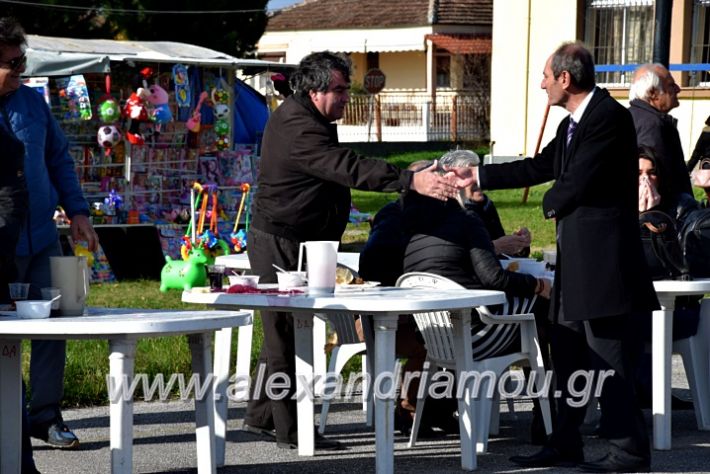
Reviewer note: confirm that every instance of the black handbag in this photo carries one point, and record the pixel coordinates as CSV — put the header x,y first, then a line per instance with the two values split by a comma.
x,y
664,256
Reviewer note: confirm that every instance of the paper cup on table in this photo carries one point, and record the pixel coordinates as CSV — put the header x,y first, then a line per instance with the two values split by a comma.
x,y
291,280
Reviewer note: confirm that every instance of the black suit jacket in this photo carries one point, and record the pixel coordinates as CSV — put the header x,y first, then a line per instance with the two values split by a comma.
x,y
600,266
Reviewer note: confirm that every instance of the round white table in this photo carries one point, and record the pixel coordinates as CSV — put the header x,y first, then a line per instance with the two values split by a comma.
x,y
662,343
122,328
385,304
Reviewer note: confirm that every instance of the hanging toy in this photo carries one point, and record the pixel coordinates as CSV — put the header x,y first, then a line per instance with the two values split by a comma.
x,y
158,97
182,85
239,239
136,111
108,109
108,136
193,123
220,98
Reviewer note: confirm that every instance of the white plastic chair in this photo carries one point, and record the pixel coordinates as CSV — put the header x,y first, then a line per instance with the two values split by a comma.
x,y
348,346
437,330
695,352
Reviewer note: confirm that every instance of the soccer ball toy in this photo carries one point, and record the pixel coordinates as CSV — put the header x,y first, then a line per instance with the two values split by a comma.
x,y
108,136
109,111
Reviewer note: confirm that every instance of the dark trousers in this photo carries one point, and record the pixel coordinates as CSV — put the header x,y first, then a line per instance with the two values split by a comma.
x,y
278,351
609,343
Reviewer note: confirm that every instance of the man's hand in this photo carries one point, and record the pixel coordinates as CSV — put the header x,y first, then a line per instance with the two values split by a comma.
x,y
546,288
513,244
462,177
429,182
81,229
510,244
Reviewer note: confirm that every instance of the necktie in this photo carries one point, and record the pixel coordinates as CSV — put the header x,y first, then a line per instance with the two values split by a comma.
x,y
570,130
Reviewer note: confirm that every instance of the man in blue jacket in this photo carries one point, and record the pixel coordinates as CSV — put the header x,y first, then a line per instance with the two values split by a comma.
x,y
51,181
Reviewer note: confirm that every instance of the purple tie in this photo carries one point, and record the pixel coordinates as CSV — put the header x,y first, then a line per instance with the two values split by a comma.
x,y
570,130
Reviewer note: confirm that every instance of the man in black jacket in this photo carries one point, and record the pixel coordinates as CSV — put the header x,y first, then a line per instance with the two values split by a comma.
x,y
654,93
303,193
601,279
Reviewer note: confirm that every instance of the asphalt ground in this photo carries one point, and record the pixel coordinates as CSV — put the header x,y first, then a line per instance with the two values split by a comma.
x,y
164,442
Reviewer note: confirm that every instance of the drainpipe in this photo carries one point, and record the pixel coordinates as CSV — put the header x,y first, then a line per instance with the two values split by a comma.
x,y
662,38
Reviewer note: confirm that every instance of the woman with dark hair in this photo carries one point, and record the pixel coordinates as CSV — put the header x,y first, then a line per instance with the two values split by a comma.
x,y
654,195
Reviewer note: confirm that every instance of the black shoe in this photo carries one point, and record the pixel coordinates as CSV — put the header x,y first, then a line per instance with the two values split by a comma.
x,y
612,463
678,403
257,430
55,433
320,442
548,457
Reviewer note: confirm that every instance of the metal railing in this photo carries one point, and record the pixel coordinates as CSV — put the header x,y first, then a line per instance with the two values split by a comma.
x,y
416,116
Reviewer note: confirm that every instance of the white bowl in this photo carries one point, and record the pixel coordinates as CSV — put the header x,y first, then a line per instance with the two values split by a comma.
x,y
524,265
33,309
247,280
291,280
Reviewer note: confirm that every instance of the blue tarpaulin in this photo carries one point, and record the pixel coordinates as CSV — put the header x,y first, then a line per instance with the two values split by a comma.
x,y
250,114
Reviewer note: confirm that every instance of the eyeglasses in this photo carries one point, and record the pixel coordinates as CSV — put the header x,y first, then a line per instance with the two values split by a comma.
x,y
15,63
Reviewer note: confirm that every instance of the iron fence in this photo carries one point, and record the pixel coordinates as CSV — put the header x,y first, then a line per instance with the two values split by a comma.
x,y
416,116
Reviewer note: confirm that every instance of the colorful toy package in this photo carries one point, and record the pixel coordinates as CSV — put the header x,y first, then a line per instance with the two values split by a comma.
x,y
74,98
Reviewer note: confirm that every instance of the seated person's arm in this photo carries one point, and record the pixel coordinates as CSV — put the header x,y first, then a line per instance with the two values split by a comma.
x,y
514,243
493,277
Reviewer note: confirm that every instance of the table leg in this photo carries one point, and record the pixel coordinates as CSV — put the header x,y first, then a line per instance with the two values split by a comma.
x,y
661,343
384,391
461,321
319,365
200,346
10,406
303,341
121,365
222,357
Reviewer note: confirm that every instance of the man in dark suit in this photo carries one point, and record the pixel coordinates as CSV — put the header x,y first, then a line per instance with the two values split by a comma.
x,y
601,280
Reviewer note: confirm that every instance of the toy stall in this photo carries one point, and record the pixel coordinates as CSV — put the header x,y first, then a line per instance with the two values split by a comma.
x,y
166,144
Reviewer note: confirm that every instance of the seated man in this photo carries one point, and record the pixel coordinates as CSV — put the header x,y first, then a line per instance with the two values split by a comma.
x,y
447,240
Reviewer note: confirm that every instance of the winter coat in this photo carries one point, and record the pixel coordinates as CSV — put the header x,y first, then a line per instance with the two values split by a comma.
x,y
305,176
49,169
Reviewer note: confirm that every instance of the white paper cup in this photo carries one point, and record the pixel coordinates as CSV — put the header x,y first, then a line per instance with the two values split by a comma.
x,y
291,280
49,293
247,280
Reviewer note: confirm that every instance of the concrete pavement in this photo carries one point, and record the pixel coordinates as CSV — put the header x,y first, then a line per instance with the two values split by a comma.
x,y
164,443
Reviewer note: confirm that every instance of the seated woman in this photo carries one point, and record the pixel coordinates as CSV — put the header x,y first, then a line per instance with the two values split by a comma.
x,y
654,195
445,239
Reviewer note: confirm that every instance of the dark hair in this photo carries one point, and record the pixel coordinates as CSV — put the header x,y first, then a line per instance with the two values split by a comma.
x,y
11,32
314,72
647,152
577,60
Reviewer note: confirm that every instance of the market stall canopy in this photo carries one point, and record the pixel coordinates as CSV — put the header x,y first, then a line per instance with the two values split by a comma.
x,y
54,56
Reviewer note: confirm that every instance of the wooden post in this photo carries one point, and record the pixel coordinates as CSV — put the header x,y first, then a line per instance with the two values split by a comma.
x,y
454,119
378,117
526,191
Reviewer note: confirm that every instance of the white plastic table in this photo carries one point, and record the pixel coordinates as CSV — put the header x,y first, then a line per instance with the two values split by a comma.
x,y
122,328
385,304
223,339
662,342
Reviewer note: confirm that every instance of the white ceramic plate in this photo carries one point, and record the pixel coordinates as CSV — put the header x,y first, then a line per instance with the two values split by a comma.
x,y
361,287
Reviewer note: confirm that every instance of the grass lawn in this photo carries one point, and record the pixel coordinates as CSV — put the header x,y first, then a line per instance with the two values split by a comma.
x,y
87,360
